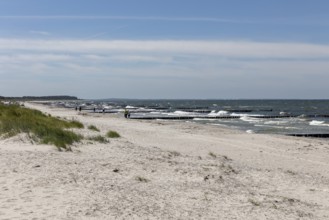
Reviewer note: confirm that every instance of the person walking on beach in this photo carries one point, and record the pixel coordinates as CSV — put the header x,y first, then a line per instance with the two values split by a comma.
x,y
126,113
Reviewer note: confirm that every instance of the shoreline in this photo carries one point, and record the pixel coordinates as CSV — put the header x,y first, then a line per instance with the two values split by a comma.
x,y
260,117
168,170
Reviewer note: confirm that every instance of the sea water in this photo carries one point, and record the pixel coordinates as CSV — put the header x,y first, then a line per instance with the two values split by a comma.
x,y
309,116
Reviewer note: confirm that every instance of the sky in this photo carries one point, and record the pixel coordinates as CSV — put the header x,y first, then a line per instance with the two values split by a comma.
x,y
172,49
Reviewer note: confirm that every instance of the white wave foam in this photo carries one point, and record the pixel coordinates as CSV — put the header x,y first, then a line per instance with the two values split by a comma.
x,y
181,113
249,119
284,113
244,115
318,123
239,115
269,126
291,128
275,122
130,107
250,131
219,113
205,119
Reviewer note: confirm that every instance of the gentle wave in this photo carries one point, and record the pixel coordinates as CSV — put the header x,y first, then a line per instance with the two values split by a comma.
x,y
205,119
318,123
181,113
130,107
276,122
219,113
251,120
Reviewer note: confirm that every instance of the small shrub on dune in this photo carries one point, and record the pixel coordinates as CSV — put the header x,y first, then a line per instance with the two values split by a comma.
x,y
113,134
59,138
76,124
99,139
93,128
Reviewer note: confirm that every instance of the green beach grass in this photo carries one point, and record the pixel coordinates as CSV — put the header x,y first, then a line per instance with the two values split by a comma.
x,y
93,128
44,128
99,139
112,134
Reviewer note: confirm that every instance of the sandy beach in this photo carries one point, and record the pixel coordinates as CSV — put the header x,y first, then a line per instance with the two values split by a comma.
x,y
164,170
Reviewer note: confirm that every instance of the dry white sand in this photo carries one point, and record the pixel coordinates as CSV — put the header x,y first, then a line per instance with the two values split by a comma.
x,y
164,170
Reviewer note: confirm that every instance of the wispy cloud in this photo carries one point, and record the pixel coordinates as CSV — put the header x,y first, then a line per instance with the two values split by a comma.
x,y
129,58
19,58
112,66
141,18
290,21
227,49
44,33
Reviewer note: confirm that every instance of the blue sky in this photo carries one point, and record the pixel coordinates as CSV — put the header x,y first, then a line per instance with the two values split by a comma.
x,y
165,49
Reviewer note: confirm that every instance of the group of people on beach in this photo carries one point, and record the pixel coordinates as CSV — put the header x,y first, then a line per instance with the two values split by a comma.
x,y
126,112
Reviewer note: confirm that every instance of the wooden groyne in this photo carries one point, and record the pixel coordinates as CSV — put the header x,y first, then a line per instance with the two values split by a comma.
x,y
191,108
239,110
273,116
201,117
219,117
163,117
205,111
182,117
248,110
318,116
310,135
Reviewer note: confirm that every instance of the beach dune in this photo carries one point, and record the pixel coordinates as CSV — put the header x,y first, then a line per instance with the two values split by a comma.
x,y
164,170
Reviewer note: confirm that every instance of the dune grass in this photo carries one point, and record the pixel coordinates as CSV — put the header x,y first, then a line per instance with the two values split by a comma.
x,y
99,139
113,134
44,128
93,128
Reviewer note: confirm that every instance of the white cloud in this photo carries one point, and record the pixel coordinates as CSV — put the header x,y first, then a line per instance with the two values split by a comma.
x,y
19,58
179,66
229,49
129,58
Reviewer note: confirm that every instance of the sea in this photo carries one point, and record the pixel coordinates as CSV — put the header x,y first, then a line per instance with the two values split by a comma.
x,y
251,116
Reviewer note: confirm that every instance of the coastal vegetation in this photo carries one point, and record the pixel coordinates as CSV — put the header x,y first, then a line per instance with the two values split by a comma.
x,y
99,139
45,129
93,128
39,98
113,134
